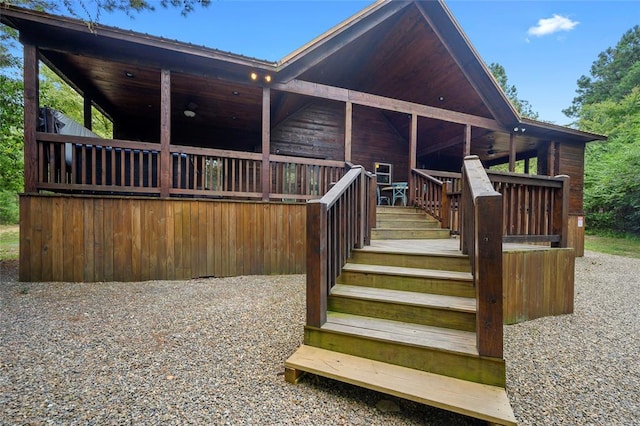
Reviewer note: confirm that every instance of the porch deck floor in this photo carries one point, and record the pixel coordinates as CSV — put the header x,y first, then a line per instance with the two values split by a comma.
x,y
448,246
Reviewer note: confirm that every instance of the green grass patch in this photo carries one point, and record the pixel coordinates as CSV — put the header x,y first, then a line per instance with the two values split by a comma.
x,y
621,245
9,242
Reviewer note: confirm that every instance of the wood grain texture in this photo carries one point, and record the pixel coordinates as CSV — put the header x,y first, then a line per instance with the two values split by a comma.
x,y
537,283
84,238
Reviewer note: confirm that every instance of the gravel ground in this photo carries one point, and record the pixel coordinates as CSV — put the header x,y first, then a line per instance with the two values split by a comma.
x,y
211,351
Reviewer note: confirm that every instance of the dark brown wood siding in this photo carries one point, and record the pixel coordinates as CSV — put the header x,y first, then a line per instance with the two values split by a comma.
x,y
564,158
315,131
74,238
376,140
571,163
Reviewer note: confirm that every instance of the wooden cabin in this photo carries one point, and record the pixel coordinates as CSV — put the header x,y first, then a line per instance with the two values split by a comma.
x,y
225,165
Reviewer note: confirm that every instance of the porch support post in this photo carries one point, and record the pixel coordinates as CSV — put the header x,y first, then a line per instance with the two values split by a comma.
x,y
551,159
413,148
87,112
31,101
348,130
165,132
266,142
466,151
512,153
527,165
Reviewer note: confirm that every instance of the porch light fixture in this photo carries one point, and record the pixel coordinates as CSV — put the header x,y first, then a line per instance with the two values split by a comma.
x,y
129,74
190,109
235,93
441,98
254,76
267,78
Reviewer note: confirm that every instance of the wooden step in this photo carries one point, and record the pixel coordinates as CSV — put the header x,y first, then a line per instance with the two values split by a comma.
x,y
409,233
437,350
451,283
383,222
372,255
418,308
488,403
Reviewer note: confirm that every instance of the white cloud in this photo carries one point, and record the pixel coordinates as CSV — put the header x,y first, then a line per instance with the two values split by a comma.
x,y
552,25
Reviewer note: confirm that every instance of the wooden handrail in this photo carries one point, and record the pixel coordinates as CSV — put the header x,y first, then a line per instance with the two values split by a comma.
x,y
481,239
336,224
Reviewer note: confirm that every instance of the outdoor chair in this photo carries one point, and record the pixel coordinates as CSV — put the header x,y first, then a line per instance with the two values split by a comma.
x,y
381,198
400,192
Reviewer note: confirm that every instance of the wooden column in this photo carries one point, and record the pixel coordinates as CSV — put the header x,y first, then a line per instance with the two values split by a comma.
x,y
551,160
165,132
266,142
527,165
348,130
31,101
413,148
512,153
466,150
87,112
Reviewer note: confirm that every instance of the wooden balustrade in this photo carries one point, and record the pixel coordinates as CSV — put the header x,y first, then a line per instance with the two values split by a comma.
x,y
535,207
298,178
215,173
83,164
68,163
337,223
481,239
437,197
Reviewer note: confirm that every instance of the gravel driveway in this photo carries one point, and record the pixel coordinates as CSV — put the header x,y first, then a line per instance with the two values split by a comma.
x,y
211,351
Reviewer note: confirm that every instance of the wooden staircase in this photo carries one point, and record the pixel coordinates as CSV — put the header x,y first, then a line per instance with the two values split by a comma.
x,y
402,321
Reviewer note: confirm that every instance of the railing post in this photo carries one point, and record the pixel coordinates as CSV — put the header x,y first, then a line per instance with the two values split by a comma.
x,y
373,202
165,132
317,279
488,275
266,143
445,207
31,96
561,213
362,209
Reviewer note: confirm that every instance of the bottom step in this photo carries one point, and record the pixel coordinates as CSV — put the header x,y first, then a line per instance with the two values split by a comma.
x,y
489,403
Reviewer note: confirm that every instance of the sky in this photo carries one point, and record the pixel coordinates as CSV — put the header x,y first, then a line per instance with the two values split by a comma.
x,y
544,46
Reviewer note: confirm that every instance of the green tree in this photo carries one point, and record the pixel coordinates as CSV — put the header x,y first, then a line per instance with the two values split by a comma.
x,y
523,107
613,75
612,177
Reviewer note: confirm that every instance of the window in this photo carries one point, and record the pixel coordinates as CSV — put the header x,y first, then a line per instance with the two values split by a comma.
x,y
383,173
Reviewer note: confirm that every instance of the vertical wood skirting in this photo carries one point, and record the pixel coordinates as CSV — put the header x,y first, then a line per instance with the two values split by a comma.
x,y
31,101
348,130
165,132
77,238
575,234
537,283
266,142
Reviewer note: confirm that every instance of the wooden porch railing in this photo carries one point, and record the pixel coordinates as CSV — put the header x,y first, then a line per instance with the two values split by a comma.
x,y
535,208
481,239
91,164
437,198
337,223
84,164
